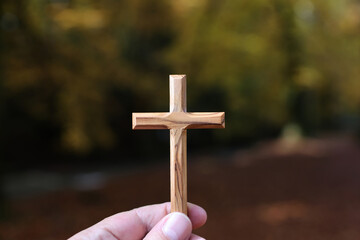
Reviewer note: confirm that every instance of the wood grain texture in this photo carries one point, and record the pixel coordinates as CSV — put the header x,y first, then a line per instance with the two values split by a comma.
x,y
178,151
177,88
178,121
170,120
178,170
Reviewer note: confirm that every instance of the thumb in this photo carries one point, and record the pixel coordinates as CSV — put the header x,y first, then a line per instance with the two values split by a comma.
x,y
175,226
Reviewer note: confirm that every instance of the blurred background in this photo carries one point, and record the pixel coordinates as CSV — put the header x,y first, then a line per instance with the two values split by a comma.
x,y
285,72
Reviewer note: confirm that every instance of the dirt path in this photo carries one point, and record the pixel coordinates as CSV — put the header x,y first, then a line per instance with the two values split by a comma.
x,y
309,190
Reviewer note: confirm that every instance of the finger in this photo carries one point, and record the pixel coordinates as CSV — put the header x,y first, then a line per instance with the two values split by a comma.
x,y
152,214
125,225
197,215
175,226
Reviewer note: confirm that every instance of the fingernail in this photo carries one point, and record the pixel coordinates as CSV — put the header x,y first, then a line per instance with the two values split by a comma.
x,y
197,238
177,227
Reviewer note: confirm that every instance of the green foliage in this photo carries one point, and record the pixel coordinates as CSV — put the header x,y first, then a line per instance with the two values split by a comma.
x,y
75,70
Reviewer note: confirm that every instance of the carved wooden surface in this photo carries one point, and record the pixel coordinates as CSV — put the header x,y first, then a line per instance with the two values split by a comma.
x,y
178,120
178,170
170,120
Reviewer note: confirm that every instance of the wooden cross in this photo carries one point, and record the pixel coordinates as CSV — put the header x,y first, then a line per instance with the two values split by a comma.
x,y
178,120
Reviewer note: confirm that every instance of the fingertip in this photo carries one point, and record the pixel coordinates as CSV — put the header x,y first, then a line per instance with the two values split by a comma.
x,y
177,226
197,215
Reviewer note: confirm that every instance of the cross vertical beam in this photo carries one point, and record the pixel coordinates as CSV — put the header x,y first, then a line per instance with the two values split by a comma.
x,y
178,151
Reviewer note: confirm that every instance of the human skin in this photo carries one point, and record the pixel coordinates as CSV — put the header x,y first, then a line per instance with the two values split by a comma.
x,y
153,222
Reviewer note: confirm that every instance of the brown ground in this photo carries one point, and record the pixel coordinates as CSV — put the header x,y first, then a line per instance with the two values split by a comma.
x,y
308,190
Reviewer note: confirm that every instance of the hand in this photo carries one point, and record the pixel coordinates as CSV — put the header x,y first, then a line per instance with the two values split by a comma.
x,y
149,223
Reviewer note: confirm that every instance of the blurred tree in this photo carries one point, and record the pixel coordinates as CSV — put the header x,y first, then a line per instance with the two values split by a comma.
x,y
238,52
269,60
74,70
68,62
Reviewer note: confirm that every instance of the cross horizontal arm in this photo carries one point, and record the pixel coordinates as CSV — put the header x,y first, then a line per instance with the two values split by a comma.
x,y
171,120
